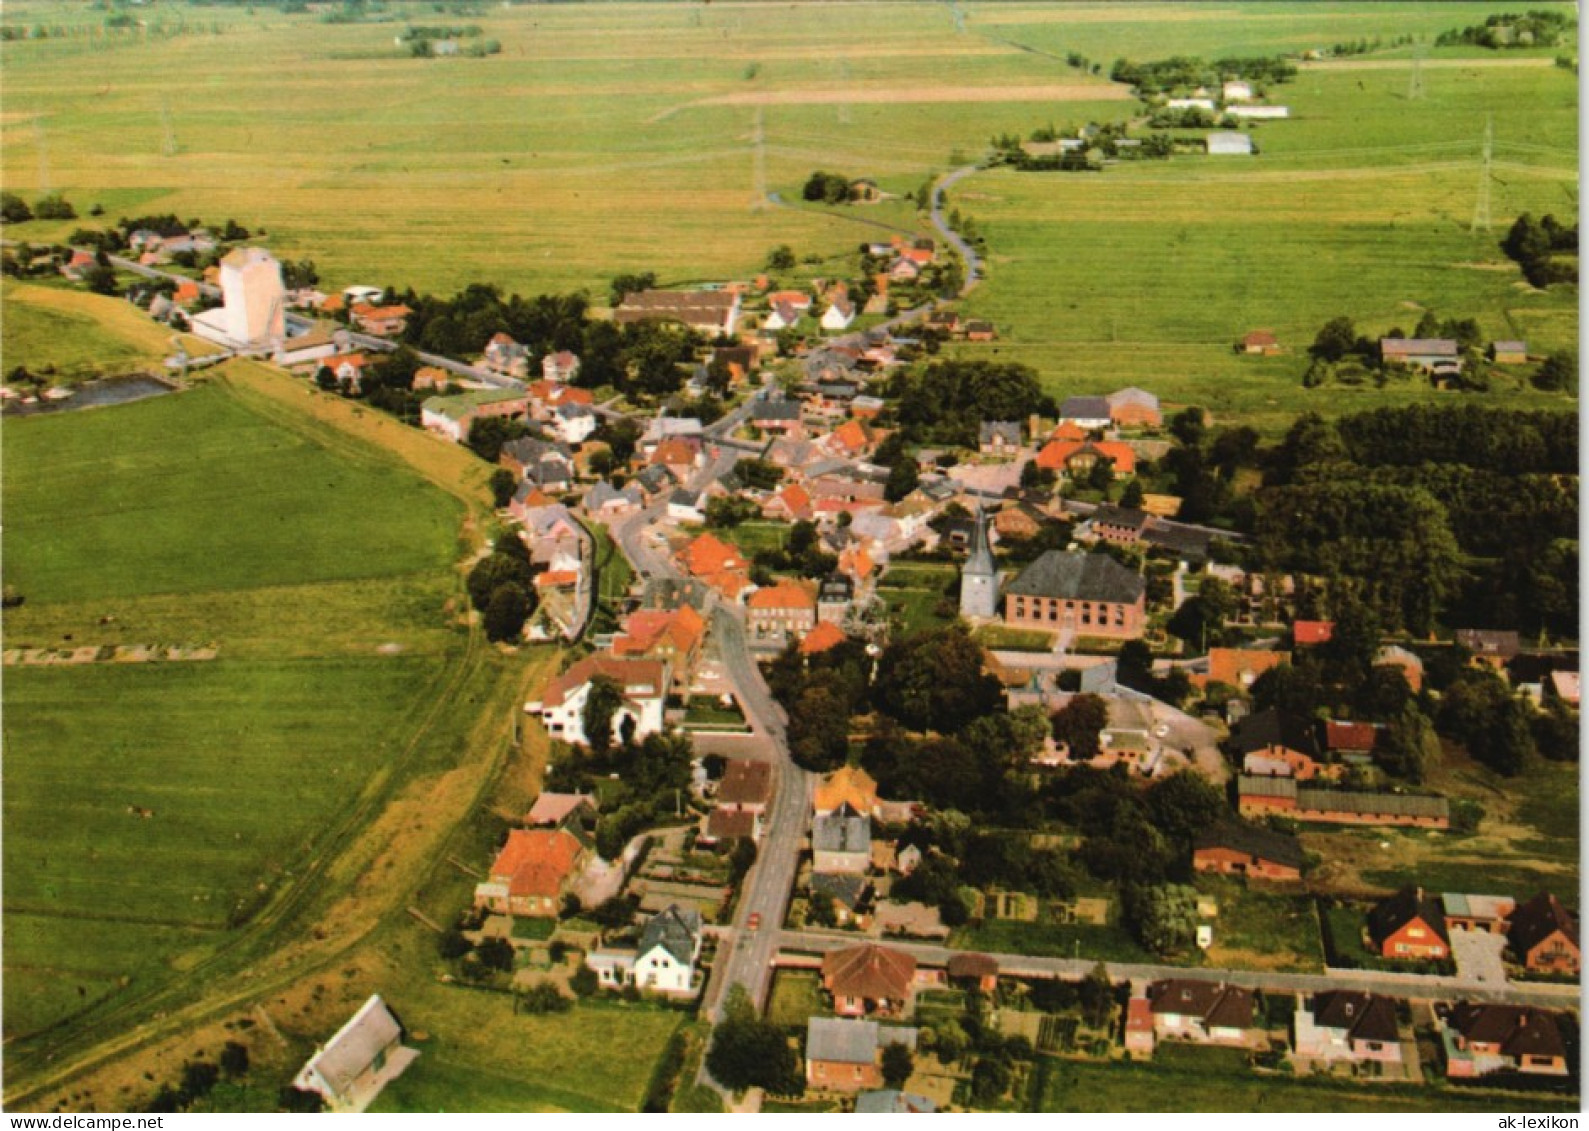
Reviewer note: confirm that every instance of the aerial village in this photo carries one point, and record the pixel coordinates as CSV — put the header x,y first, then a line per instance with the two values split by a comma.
x,y
800,651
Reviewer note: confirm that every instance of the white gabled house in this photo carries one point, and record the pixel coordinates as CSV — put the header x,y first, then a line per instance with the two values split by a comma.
x,y
644,685
366,1054
663,962
838,316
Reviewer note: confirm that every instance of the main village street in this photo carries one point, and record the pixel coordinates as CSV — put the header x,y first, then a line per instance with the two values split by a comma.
x,y
1415,986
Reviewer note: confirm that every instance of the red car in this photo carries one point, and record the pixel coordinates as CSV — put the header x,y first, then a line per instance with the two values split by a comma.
x,y
754,921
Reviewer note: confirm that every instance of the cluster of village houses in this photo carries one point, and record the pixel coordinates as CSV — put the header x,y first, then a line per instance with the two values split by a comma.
x,y
819,439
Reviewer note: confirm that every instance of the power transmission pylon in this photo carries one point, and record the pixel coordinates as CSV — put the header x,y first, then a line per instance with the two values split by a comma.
x,y
758,142
168,145
43,146
1415,80
1481,206
960,17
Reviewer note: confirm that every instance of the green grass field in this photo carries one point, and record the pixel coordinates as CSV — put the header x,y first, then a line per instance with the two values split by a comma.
x,y
1214,1084
480,1056
319,573
191,493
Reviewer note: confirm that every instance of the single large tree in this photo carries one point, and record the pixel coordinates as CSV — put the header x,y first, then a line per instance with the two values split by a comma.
x,y
602,703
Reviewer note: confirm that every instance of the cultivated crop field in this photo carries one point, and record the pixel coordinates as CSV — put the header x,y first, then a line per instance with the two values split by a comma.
x,y
151,808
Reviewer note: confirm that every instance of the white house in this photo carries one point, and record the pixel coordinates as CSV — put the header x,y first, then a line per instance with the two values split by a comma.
x,y
643,686
573,423
1237,91
1229,143
663,962
781,317
685,505
841,843
838,316
366,1054
1260,113
1191,104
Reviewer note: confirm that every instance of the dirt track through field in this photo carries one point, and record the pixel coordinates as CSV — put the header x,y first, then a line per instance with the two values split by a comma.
x,y
1047,92
1429,64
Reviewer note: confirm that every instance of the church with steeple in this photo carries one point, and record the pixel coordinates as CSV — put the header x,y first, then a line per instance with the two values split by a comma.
x,y
979,582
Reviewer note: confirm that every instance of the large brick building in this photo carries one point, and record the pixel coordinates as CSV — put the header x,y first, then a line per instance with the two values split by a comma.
x,y
1088,594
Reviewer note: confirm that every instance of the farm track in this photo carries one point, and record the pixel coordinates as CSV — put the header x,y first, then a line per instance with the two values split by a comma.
x,y
81,1042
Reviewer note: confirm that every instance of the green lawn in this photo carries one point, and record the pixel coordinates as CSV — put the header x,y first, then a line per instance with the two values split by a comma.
x,y
194,492
1264,930
1055,940
480,1056
69,335
752,537
1212,1084
796,996
318,567
914,592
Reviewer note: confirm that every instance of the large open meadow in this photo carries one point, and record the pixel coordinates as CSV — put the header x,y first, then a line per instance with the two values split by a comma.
x,y
153,810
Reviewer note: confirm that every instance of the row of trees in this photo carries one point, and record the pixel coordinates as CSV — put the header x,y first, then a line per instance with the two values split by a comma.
x,y
947,400
1546,249
1184,72
15,210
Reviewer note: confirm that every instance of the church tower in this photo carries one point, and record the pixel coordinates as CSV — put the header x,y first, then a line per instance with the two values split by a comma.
x,y
979,583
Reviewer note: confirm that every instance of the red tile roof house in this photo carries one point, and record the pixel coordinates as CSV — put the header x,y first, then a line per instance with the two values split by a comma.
x,y
1410,924
1139,1026
746,786
1078,458
978,971
846,1056
1248,850
674,637
1134,408
381,320
870,979
1481,1038
1543,935
778,612
1347,1025
1259,342
1312,631
718,564
1280,744
1205,1013
531,873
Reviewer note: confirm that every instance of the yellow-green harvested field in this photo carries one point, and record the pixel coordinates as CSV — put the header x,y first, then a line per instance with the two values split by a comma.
x,y
70,334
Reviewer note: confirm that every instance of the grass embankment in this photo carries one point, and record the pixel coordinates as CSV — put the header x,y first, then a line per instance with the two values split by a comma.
x,y
274,777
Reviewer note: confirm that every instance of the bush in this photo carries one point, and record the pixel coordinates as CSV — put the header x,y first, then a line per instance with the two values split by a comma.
x,y
544,997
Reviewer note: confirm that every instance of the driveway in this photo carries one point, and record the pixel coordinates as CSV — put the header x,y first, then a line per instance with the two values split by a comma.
x,y
1478,956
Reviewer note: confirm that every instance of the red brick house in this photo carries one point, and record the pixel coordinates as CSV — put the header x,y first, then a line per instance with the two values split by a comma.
x,y
1481,1038
531,873
1263,795
718,564
870,980
844,1055
1544,936
1262,342
979,971
746,786
1248,850
1410,924
1089,594
778,612
1206,1013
